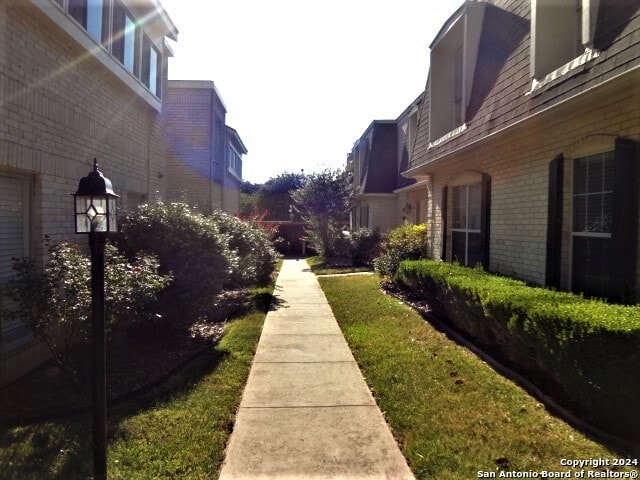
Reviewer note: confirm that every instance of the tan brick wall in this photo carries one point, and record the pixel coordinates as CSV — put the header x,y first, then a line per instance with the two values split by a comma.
x,y
194,123
231,200
518,165
59,109
383,211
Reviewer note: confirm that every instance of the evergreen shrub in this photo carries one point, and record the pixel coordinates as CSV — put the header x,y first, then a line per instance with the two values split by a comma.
x,y
251,246
188,245
585,352
408,242
364,246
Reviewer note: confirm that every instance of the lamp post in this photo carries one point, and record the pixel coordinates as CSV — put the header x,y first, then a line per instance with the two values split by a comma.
x,y
95,214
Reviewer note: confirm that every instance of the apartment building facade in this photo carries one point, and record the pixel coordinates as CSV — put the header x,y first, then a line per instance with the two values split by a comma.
x,y
528,140
80,80
384,199
205,166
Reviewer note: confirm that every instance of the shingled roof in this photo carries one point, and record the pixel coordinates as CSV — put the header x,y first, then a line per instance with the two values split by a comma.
x,y
380,160
502,92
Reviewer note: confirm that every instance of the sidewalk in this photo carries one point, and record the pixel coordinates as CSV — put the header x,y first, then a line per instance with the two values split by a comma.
x,y
306,412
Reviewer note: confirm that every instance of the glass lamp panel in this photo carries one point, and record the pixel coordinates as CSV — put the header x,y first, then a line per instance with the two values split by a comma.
x,y
113,225
83,223
98,214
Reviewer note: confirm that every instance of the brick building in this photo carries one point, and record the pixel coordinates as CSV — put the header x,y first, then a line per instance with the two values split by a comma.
x,y
383,197
205,168
528,140
78,80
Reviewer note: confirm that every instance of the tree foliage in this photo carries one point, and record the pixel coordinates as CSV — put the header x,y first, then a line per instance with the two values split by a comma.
x,y
324,201
273,198
55,302
408,242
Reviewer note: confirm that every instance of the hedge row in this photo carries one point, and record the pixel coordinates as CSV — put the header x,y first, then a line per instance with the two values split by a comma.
x,y
584,352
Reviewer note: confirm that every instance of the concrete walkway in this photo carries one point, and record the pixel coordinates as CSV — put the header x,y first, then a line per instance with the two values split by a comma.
x,y
306,412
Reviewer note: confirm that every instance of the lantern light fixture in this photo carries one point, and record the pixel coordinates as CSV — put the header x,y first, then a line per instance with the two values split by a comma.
x,y
95,204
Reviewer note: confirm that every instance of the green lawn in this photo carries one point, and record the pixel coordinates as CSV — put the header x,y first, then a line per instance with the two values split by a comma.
x,y
452,414
178,431
320,266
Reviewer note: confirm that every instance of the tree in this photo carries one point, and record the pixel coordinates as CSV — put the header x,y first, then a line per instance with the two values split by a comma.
x,y
324,201
274,196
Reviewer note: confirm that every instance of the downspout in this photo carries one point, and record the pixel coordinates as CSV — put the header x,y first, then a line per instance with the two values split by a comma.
x,y
211,150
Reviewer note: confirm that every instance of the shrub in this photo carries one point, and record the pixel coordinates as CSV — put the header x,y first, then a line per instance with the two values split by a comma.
x,y
55,303
252,247
364,246
582,351
408,242
132,288
187,244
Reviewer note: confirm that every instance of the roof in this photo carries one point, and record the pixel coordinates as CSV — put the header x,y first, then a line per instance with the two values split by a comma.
x,y
379,172
501,95
152,13
197,85
235,138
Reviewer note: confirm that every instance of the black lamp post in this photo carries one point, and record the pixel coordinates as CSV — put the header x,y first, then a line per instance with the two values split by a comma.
x,y
95,214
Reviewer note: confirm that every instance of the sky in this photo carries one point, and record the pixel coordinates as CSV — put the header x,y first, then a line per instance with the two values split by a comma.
x,y
302,80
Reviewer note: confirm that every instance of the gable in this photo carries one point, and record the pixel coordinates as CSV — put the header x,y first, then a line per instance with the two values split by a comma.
x,y
502,91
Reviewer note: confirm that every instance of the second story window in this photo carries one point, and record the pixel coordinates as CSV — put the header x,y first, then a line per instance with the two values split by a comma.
x,y
235,162
93,15
561,32
457,87
454,53
135,43
125,34
150,66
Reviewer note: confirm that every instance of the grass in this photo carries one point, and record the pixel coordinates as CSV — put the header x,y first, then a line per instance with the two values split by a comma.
x,y
320,266
178,431
452,414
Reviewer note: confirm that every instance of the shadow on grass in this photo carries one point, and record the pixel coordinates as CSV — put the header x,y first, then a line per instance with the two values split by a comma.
x,y
265,302
62,449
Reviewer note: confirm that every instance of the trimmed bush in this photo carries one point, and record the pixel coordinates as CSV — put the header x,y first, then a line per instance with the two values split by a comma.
x,y
584,352
189,245
251,245
408,242
364,246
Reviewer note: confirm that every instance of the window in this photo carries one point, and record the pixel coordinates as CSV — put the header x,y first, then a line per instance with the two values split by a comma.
x,y
14,238
151,67
561,35
454,53
592,220
125,34
466,227
457,87
235,161
364,216
93,15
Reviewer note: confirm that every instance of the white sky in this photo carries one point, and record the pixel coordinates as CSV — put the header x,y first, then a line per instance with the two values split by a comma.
x,y
302,80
